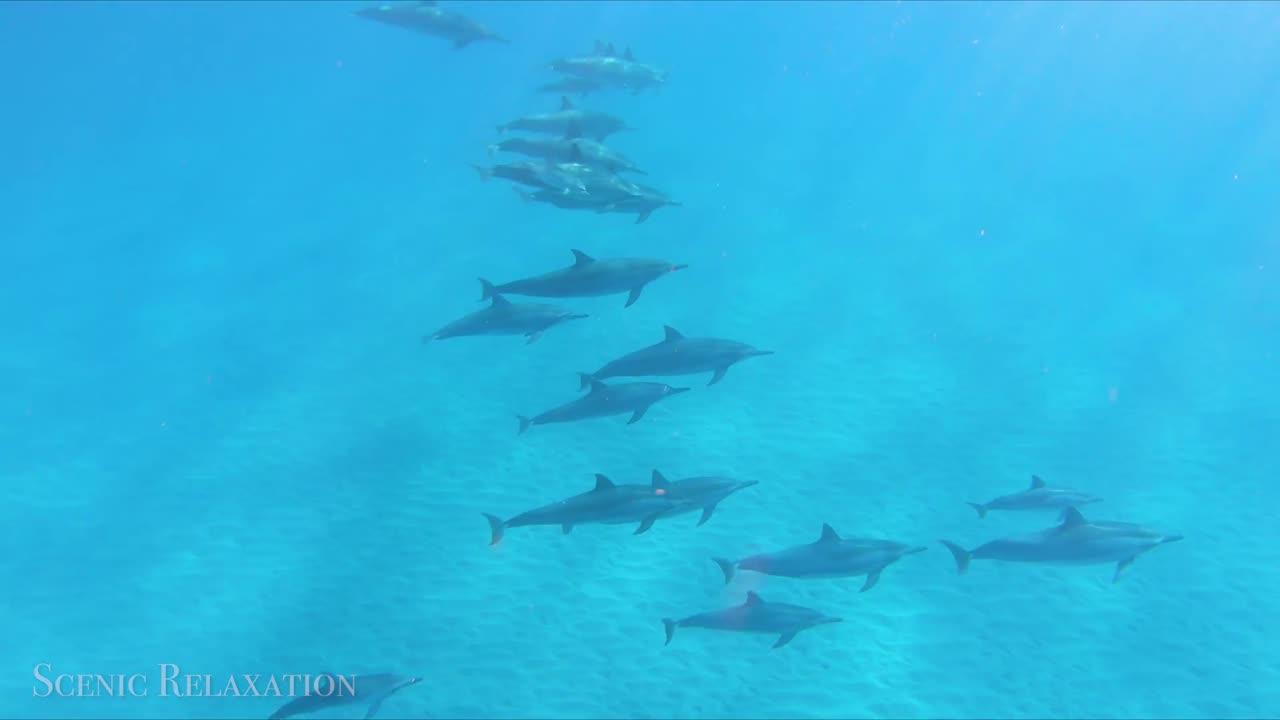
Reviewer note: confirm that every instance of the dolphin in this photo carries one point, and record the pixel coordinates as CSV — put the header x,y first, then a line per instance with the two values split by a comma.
x,y
569,120
639,199
757,616
697,493
1037,497
427,17
605,504
831,556
612,69
676,355
543,175
587,277
504,317
372,689
1076,541
605,400
569,150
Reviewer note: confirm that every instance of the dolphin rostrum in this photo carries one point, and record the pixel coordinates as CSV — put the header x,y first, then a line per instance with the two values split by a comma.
x,y
569,120
504,317
605,400
1076,541
831,556
697,493
587,277
605,504
372,689
677,355
1037,497
755,616
427,18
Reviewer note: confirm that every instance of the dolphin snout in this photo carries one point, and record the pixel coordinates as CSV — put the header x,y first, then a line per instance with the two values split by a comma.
x,y
677,267
761,353
747,483
828,621
676,390
1171,538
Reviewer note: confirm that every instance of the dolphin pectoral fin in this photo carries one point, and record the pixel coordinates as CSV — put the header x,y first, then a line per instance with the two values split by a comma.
x,y
525,423
982,509
634,296
718,375
1121,567
373,706
644,215
706,515
872,578
566,528
635,417
459,44
533,337
670,626
785,638
726,567
961,555
647,523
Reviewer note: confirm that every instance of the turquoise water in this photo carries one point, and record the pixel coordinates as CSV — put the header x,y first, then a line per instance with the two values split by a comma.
x,y
985,241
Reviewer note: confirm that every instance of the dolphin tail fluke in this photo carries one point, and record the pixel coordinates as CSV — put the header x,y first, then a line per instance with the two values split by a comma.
x,y
961,555
487,290
525,423
670,626
585,380
497,528
726,567
982,509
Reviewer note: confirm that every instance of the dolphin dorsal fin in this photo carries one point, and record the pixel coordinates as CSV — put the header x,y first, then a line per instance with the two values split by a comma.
x,y
597,386
565,103
581,258
672,334
627,55
1036,482
659,482
599,48
1071,517
603,483
499,301
829,534
612,52
753,599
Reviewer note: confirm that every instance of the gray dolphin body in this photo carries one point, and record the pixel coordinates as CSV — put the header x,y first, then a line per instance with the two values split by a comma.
x,y
606,67
504,317
677,355
569,120
1076,541
697,493
831,556
569,150
426,17
755,616
1037,497
544,175
605,400
372,689
605,504
587,277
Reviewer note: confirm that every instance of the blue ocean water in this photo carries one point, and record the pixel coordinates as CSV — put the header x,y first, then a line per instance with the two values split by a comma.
x,y
985,240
